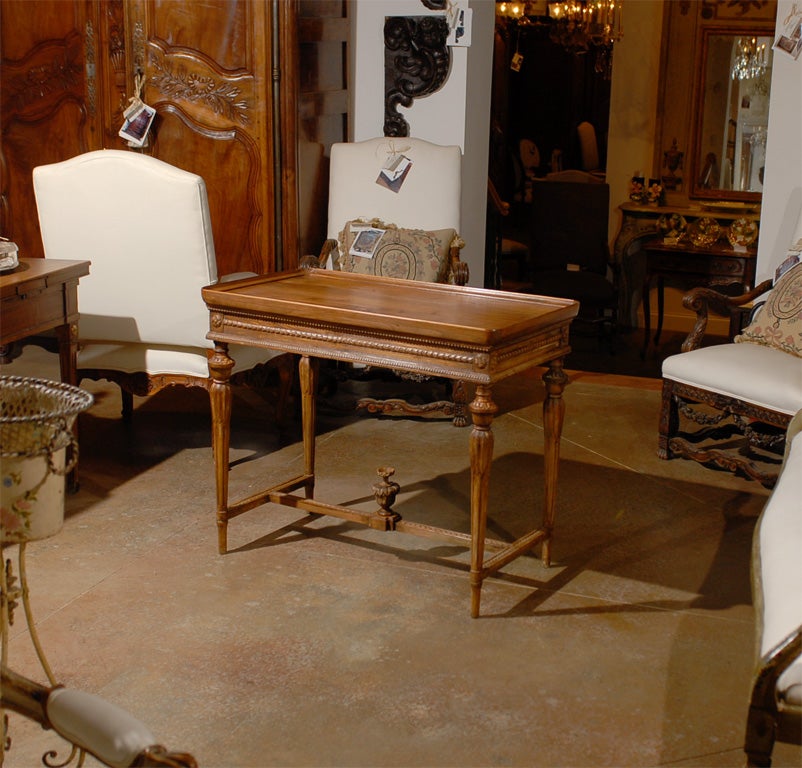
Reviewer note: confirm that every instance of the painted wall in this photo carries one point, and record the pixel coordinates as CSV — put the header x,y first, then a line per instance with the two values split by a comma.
x,y
781,213
457,114
633,101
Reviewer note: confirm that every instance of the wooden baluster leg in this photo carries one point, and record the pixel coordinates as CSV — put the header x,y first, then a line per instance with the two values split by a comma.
x,y
220,366
67,336
553,415
482,410
308,375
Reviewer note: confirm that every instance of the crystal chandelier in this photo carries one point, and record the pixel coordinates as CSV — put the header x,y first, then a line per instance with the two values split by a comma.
x,y
750,59
579,24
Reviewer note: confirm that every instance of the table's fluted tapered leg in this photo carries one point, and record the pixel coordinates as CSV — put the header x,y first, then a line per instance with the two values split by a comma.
x,y
553,415
482,410
220,366
307,374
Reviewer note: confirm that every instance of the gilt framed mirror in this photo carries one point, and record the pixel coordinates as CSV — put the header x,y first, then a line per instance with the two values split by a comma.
x,y
732,97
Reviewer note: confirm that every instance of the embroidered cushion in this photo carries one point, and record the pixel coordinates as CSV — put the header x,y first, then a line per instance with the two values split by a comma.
x,y
413,254
778,323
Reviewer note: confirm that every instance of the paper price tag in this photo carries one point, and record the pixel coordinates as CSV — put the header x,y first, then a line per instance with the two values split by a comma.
x,y
137,124
394,172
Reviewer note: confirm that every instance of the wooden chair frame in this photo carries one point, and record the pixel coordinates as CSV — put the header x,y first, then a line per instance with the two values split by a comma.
x,y
750,419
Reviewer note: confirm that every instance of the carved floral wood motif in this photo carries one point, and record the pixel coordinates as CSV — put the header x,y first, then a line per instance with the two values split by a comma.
x,y
206,71
416,64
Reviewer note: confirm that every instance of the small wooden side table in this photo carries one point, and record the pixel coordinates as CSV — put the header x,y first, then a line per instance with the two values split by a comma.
x,y
466,334
41,295
716,265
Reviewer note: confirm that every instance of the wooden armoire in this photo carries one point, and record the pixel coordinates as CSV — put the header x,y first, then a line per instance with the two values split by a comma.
x,y
249,94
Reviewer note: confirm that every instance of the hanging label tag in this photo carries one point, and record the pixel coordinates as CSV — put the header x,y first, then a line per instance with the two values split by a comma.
x,y
138,116
394,172
138,119
460,32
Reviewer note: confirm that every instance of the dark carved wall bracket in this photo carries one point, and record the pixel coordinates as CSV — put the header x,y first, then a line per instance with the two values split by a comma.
x,y
416,63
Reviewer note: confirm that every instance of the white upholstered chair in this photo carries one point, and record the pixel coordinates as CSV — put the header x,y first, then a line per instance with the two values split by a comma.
x,y
751,386
422,219
428,199
145,227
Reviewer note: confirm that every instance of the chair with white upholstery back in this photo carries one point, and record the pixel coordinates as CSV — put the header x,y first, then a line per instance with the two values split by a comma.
x,y
421,222
729,405
145,227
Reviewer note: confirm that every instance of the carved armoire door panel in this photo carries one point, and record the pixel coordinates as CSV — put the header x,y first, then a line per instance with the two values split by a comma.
x,y
207,73
68,70
48,101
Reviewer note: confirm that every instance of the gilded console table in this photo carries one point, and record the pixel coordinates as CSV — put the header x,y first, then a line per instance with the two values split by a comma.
x,y
714,266
465,334
639,223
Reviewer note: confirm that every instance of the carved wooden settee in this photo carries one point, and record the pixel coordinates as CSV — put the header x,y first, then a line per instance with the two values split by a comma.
x,y
751,387
775,706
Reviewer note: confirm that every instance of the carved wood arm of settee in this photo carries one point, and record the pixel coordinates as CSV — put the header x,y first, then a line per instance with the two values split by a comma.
x,y
761,720
702,300
319,262
89,723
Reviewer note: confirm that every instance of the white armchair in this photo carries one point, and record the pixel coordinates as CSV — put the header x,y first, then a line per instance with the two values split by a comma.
x,y
421,219
754,388
145,227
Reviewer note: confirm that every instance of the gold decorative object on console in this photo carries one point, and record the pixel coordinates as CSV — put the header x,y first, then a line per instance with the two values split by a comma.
x,y
704,232
672,226
742,233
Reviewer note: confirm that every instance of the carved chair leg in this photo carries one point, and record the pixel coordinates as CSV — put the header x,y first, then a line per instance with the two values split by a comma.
x,y
669,420
286,376
460,397
760,735
128,405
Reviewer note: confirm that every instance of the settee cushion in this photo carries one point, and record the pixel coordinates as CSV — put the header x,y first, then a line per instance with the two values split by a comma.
x,y
412,254
754,373
779,566
778,323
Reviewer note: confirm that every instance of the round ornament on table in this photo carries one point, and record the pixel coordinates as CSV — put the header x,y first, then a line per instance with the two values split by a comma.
x,y
704,232
742,232
672,226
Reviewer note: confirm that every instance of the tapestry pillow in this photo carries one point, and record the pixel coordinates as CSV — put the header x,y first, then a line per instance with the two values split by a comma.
x,y
778,323
412,254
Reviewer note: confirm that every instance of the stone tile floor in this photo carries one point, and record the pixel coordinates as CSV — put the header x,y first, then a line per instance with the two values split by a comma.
x,y
341,646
